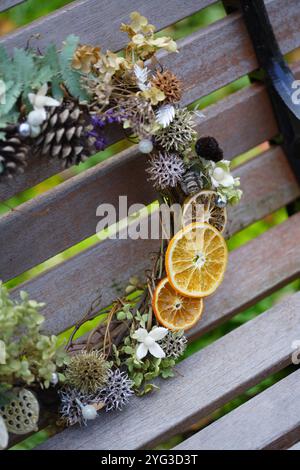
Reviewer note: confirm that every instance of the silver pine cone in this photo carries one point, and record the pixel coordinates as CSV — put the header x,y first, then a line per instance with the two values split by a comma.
x,y
179,134
174,344
165,170
191,182
117,391
65,134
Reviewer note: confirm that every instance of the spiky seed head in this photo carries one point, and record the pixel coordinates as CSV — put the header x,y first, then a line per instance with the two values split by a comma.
x,y
72,402
87,371
174,344
179,134
169,84
165,170
117,390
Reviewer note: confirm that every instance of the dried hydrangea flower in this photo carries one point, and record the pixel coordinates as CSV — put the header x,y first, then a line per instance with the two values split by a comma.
x,y
179,135
165,170
117,391
85,58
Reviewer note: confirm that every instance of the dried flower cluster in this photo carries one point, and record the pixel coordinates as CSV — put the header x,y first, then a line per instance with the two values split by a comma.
x,y
26,355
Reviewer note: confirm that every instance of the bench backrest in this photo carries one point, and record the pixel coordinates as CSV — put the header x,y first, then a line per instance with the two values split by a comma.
x,y
64,215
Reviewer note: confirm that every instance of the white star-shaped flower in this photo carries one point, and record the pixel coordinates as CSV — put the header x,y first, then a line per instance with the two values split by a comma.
x,y
39,101
148,342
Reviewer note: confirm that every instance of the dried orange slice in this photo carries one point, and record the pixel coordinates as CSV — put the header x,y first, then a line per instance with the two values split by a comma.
x,y
196,260
174,311
202,207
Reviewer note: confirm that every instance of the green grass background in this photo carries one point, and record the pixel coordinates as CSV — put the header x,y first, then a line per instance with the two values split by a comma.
x,y
32,10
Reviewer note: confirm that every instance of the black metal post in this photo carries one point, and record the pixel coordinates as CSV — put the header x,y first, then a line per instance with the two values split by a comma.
x,y
279,78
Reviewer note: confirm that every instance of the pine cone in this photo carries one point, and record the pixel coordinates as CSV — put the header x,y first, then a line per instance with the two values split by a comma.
x,y
65,134
209,149
14,153
191,182
169,84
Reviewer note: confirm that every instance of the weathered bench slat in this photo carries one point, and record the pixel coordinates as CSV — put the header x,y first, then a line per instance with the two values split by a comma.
x,y
218,309
295,447
77,281
99,22
211,52
67,214
270,420
205,381
6,4
241,109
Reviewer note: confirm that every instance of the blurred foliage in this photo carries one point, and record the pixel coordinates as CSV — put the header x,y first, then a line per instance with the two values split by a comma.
x,y
33,9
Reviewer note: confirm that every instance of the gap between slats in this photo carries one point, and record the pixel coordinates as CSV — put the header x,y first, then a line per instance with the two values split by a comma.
x,y
205,381
67,214
205,63
271,420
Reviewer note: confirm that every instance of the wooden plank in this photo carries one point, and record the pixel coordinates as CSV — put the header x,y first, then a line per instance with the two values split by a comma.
x,y
295,446
271,420
274,274
201,76
67,214
100,23
204,382
78,281
6,4
241,109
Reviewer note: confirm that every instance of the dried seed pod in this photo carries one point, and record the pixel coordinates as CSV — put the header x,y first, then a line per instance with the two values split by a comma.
x,y
168,83
21,414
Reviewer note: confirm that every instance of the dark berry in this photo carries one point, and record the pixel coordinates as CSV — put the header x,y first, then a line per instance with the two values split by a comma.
x,y
209,149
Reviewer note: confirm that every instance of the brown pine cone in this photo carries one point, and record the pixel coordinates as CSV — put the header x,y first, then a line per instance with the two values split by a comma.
x,y
65,134
14,152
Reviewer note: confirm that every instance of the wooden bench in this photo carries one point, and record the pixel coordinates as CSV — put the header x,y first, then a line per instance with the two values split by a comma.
x,y
63,216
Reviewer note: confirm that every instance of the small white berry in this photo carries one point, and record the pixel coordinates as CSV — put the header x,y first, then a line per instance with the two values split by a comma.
x,y
145,146
54,378
89,412
24,129
36,118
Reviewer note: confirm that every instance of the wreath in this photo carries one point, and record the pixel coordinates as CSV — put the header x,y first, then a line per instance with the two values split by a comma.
x,y
59,105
